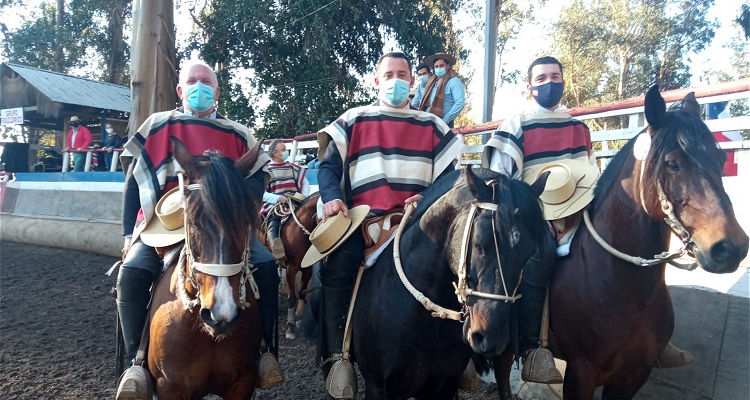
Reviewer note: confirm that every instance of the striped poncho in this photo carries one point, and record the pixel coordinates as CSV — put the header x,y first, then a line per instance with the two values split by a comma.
x,y
155,168
533,139
389,154
286,177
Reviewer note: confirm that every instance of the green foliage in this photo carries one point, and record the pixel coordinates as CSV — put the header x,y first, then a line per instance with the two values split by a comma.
x,y
744,19
308,57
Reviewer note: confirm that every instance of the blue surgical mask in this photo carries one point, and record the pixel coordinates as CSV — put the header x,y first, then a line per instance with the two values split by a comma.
x,y
285,155
549,94
440,72
200,97
423,79
395,91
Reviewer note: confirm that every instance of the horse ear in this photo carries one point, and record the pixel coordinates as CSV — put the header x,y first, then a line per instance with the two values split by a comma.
x,y
477,187
691,106
540,183
246,162
655,108
183,156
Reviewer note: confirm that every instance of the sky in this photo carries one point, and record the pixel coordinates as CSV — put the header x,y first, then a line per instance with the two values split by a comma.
x,y
531,42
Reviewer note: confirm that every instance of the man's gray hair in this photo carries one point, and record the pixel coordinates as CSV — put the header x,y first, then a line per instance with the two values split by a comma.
x,y
189,64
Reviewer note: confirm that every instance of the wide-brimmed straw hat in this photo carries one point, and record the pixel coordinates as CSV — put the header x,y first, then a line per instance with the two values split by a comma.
x,y
569,188
297,196
167,227
437,56
332,233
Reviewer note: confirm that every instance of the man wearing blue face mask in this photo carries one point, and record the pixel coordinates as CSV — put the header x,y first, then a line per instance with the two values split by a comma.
x,y
540,135
153,172
381,156
423,75
444,94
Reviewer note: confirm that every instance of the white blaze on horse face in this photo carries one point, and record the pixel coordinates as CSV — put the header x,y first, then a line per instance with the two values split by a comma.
x,y
515,237
224,309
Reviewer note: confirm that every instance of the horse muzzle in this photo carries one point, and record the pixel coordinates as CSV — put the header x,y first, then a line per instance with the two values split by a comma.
x,y
723,257
484,341
220,326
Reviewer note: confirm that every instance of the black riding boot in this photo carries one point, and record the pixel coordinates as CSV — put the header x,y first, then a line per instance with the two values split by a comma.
x,y
267,278
132,299
539,364
272,232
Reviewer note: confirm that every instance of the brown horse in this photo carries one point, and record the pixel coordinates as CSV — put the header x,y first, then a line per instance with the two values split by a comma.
x,y
609,317
294,232
205,325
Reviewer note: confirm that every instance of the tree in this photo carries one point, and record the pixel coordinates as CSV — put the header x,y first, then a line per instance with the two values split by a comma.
x,y
308,57
744,19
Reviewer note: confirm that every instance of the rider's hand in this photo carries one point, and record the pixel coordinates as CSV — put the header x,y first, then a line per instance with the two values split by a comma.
x,y
413,199
333,207
283,199
126,245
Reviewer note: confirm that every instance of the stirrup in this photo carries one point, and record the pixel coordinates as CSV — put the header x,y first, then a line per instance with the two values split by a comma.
x,y
539,366
672,357
469,380
269,372
341,382
135,383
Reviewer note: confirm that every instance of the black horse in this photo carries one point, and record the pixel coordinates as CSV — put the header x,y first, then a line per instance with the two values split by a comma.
x,y
402,350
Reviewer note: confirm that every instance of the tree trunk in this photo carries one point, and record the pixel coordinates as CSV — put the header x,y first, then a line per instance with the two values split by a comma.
x,y
153,70
116,57
624,63
59,23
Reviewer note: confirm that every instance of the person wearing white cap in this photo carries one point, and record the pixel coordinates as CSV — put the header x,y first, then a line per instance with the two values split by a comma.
x,y
543,139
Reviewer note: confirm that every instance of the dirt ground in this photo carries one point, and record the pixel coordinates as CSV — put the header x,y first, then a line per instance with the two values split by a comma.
x,y
57,331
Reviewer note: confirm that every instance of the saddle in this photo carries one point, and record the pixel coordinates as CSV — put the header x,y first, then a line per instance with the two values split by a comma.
x,y
378,233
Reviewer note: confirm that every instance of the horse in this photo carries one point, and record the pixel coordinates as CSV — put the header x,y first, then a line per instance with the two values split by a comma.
x,y
482,232
609,317
205,325
294,233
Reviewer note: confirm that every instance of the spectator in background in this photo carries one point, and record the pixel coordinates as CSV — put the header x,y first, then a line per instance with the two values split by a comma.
x,y
79,138
423,75
444,93
111,141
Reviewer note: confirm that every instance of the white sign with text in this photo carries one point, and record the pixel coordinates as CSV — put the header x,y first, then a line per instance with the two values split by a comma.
x,y
11,116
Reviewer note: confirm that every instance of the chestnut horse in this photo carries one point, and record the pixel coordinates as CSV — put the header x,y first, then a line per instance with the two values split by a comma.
x,y
294,232
205,326
609,317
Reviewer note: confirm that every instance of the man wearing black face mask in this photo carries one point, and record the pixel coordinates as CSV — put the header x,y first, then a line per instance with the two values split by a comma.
x,y
541,135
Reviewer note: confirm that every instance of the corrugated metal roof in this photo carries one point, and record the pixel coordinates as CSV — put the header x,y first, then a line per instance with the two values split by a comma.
x,y
68,89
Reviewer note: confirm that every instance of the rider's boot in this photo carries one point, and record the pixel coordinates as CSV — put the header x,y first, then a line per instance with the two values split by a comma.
x,y
469,380
672,356
538,362
269,370
275,243
341,381
132,300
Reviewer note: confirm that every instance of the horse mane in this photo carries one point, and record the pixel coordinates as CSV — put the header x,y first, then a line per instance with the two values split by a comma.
x,y
604,184
226,204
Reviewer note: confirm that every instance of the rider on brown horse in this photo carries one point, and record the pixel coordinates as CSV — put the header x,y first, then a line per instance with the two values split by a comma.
x,y
152,172
523,145
287,179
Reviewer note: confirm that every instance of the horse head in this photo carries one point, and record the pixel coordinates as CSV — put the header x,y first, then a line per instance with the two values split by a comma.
x,y
220,216
681,182
506,230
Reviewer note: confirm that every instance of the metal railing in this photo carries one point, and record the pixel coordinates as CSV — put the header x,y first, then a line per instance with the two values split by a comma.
x,y
89,159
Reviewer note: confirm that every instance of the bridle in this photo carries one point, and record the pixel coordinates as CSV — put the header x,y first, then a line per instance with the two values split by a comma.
x,y
461,287
187,262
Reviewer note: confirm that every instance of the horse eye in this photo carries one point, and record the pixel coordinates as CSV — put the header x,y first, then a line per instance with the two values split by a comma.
x,y
673,165
515,237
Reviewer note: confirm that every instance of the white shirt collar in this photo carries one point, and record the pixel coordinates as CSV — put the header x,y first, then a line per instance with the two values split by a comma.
x,y
534,108
187,112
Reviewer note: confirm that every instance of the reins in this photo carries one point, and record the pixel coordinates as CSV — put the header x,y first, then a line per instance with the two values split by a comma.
x,y
671,220
462,290
284,210
187,261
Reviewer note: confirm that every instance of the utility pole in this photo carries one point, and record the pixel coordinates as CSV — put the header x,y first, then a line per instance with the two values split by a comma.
x,y
490,54
60,13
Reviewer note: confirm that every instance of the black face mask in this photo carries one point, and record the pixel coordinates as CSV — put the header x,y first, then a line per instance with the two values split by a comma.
x,y
75,124
549,94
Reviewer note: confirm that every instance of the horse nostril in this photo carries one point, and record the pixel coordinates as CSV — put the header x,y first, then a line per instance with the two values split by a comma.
x,y
722,251
206,316
477,339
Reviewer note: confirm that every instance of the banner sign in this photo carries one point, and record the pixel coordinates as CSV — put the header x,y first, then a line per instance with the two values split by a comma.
x,y
11,116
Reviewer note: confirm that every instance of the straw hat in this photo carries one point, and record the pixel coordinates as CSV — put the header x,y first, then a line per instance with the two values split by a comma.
x,y
330,234
569,188
74,119
445,56
167,227
297,196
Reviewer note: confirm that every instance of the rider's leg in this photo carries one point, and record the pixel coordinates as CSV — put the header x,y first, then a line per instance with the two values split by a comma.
x,y
136,275
273,226
539,364
267,278
672,356
337,277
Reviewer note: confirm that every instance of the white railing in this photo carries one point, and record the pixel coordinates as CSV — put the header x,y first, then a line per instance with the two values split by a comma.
x,y
89,159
